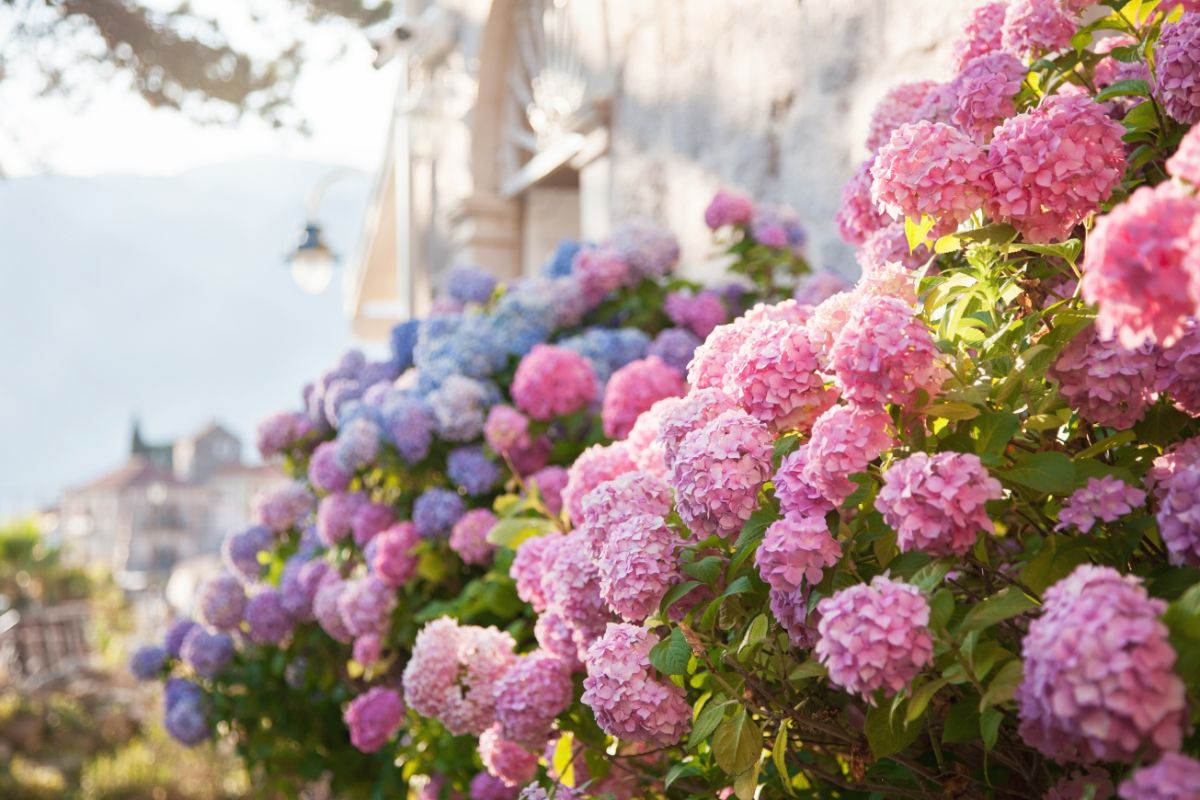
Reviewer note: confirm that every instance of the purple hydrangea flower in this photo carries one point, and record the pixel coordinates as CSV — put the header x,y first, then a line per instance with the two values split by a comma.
x,y
268,621
473,471
240,551
675,346
176,633
147,662
436,511
207,653
470,284
222,601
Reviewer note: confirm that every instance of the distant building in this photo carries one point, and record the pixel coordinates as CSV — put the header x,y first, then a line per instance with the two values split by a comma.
x,y
165,504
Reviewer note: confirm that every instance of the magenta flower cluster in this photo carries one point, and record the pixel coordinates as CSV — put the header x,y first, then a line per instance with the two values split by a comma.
x,y
1107,383
775,377
552,382
796,550
886,354
633,389
1104,499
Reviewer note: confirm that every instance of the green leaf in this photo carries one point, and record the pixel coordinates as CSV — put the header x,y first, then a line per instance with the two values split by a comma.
x,y
953,411
930,576
1161,425
989,727
1126,88
707,570
745,785
917,231
941,609
779,756
1106,444
888,734
563,758
1005,604
1057,558
921,697
706,723
1141,118
671,655
1068,251
511,532
739,586
681,771
1049,472
805,670
755,633
991,432
737,743
1003,685
677,593
962,722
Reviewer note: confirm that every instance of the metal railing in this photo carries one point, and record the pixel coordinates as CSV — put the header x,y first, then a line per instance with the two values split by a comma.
x,y
41,645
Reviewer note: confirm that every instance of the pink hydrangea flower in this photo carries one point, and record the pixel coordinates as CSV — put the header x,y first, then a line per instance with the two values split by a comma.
x,y
535,690
324,472
393,556
1185,164
600,270
898,107
890,244
469,539
889,279
827,322
366,604
553,382
844,440
369,519
283,507
1034,27
221,602
938,503
550,482
335,515
367,649
985,89
886,354
647,451
571,586
1178,373
794,489
1104,499
489,787
633,389
728,208
790,610
507,760
597,464
637,565
280,431
506,429
1173,777
718,471
612,502
1111,697
874,637
529,563
553,636
706,370
649,250
1173,459
694,410
1105,382
373,718
699,312
982,34
1051,167
452,673
1110,70
774,376
815,289
929,168
327,608
1134,267
1178,493
621,689
1177,58
857,216
796,549
266,619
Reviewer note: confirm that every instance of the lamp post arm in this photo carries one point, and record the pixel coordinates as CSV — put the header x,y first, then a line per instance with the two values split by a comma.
x,y
317,193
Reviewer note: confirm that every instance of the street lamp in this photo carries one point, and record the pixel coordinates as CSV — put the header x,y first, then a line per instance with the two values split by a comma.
x,y
312,262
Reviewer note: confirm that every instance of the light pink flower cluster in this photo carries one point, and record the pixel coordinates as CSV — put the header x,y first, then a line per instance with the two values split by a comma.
x,y
693,411
506,429
1185,164
1105,382
469,535
637,565
571,586
612,502
874,637
366,605
792,311
373,718
1177,58
886,354
1104,499
535,690
633,389
597,464
857,216
728,208
284,506
452,673
718,472
552,382
1135,266
1178,494
828,320
1178,374
1034,27
899,106
930,168
1051,167
393,556
550,482
327,608
796,549
699,312
709,362
890,244
985,89
1172,777
1112,697
505,759
529,563
844,440
647,451
816,288
937,503
774,376
790,610
889,279
982,34
599,270
628,701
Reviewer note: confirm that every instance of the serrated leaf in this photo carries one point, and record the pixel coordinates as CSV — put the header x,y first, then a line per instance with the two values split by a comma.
x,y
755,633
1126,88
737,743
677,593
1004,604
1048,472
1004,685
921,697
707,570
779,756
888,734
671,655
706,723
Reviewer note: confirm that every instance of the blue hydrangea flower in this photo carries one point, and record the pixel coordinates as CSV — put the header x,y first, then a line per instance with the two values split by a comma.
x,y
176,633
181,690
524,316
675,347
378,372
408,423
404,341
607,350
147,662
358,443
460,407
559,264
207,653
470,284
472,470
458,344
436,511
338,392
647,249
186,719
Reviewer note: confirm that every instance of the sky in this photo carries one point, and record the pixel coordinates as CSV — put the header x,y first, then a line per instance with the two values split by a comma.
x,y
141,260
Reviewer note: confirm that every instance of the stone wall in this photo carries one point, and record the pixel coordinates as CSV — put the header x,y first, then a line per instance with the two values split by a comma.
x,y
771,97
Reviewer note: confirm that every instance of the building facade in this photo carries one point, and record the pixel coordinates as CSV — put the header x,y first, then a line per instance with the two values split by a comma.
x,y
522,122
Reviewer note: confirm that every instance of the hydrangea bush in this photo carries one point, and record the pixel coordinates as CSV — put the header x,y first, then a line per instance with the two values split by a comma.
x,y
935,535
